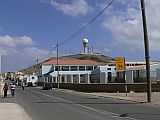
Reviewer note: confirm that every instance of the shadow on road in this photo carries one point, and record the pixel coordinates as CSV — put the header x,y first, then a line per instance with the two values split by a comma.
x,y
148,114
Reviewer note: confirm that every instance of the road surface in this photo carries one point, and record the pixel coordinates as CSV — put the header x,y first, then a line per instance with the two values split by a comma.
x,y
59,104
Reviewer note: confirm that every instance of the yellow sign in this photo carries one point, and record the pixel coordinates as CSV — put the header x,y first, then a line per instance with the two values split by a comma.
x,y
120,64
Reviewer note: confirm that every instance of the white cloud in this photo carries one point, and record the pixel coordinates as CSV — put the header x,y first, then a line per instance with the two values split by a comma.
x,y
9,41
34,53
107,50
22,48
126,25
77,7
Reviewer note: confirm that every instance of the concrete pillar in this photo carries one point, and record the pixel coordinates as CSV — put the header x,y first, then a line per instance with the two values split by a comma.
x,y
71,78
56,79
87,78
79,78
132,77
129,77
47,79
60,78
106,78
65,78
52,79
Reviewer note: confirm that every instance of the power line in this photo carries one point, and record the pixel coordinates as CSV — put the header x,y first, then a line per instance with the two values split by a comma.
x,y
84,27
79,31
50,52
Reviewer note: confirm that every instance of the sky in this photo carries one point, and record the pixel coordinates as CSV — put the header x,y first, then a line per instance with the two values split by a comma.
x,y
30,29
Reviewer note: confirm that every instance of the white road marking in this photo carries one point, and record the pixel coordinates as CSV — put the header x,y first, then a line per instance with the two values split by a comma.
x,y
113,115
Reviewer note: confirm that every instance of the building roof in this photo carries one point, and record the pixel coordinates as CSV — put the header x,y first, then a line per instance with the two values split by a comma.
x,y
71,62
135,67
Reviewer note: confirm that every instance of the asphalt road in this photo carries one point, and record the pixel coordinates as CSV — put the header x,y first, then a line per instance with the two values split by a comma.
x,y
69,105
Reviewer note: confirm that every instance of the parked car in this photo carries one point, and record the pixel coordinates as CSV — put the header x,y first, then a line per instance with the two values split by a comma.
x,y
47,86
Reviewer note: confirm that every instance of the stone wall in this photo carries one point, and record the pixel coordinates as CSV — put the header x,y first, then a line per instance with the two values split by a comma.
x,y
110,87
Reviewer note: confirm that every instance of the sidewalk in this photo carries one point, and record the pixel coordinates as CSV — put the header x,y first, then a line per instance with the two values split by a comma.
x,y
131,96
136,97
12,111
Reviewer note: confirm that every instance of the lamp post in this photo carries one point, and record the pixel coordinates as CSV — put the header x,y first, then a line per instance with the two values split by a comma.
x,y
146,43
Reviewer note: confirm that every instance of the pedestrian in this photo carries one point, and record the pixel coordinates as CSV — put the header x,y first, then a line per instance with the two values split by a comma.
x,y
13,87
23,86
5,89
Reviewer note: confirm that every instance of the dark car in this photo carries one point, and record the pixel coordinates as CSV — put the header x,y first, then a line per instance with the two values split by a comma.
x,y
47,86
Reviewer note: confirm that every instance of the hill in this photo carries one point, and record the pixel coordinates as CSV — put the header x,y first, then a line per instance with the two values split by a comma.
x,y
94,56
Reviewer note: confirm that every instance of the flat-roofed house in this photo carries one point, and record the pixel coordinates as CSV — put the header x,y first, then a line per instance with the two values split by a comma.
x,y
69,70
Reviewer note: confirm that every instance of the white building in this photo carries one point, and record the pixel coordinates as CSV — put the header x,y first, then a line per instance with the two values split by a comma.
x,y
70,70
30,78
135,72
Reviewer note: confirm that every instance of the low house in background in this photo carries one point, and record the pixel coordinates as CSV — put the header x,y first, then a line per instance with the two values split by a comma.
x,y
30,78
137,74
104,74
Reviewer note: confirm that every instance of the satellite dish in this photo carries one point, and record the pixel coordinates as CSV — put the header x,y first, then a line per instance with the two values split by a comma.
x,y
85,45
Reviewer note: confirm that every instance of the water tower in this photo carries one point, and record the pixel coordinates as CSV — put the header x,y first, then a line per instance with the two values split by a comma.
x,y
85,45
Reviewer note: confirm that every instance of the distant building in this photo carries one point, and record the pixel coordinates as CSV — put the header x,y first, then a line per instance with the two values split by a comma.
x,y
90,68
72,68
135,73
30,79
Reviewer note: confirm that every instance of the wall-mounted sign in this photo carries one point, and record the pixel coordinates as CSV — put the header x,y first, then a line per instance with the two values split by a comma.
x,y
120,64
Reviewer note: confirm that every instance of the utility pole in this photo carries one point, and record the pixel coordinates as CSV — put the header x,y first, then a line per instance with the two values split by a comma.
x,y
37,60
0,66
146,43
29,72
57,68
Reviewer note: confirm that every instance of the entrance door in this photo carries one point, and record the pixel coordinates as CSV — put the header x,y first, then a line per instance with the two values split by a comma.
x,y
109,77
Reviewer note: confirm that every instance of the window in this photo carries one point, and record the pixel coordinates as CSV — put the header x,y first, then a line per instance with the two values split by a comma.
x,y
74,68
65,68
95,67
39,76
89,68
56,68
108,68
81,68
111,65
127,64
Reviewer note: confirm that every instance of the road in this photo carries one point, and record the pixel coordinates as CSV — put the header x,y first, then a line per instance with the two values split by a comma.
x,y
59,104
